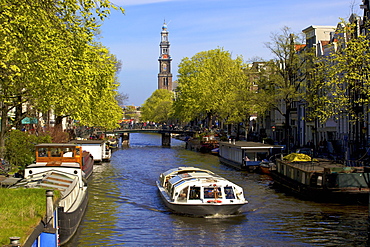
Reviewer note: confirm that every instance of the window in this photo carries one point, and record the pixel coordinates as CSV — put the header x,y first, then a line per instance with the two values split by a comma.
x,y
183,195
67,152
229,193
43,152
212,193
194,193
55,152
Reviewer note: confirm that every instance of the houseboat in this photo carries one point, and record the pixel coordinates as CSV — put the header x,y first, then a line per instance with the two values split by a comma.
x,y
323,180
198,192
63,155
99,149
61,167
246,155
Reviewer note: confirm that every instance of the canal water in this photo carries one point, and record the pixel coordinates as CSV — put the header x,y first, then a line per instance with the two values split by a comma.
x,y
125,208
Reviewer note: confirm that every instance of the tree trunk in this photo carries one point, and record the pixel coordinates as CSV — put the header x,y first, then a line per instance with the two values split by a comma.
x,y
287,127
3,121
59,123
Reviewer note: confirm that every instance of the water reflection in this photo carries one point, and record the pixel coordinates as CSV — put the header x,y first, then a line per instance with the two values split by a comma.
x,y
125,207
211,230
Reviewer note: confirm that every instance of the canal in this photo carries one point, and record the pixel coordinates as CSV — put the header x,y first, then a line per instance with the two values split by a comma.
x,y
125,208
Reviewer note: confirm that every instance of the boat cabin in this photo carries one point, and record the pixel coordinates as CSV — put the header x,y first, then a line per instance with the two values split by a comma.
x,y
246,155
198,185
54,154
99,149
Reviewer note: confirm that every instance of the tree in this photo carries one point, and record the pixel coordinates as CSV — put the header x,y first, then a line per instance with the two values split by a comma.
x,y
287,76
342,88
208,84
158,107
48,55
344,76
122,99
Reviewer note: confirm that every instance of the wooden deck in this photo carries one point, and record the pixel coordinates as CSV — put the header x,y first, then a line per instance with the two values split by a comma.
x,y
322,165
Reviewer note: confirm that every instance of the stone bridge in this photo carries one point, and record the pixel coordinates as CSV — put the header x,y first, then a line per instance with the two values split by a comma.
x,y
124,134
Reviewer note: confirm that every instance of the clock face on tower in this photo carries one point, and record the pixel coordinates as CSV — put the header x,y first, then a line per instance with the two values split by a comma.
x,y
164,56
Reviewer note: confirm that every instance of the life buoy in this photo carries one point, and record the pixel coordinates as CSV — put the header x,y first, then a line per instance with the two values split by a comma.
x,y
214,201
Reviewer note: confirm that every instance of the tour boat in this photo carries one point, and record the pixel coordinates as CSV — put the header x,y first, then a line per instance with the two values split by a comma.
x,y
199,192
61,167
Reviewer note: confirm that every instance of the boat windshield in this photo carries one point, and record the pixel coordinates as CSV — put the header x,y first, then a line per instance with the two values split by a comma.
x,y
183,194
212,192
229,193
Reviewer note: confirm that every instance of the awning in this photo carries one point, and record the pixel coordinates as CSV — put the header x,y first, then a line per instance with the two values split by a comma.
x,y
28,120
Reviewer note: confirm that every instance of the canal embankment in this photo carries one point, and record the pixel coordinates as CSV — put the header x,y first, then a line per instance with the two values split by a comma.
x,y
23,213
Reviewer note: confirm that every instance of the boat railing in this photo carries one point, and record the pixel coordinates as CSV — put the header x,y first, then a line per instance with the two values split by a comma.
x,y
355,163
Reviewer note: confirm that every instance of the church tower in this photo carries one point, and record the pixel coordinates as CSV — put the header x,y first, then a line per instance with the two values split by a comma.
x,y
164,76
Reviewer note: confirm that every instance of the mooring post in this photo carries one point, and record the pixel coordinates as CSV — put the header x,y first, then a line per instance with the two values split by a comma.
x,y
49,208
14,241
125,139
166,139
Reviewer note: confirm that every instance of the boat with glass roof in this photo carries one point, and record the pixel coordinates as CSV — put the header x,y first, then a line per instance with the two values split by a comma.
x,y
199,192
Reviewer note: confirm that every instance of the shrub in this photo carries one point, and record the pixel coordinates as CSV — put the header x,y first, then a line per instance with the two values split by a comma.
x,y
20,148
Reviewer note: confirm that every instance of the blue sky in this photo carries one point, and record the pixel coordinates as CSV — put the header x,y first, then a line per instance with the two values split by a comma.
x,y
241,27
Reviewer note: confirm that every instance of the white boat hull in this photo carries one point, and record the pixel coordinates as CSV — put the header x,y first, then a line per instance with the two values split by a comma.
x,y
69,221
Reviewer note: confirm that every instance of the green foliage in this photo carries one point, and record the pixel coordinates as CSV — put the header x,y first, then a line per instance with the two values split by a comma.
x,y
158,107
50,60
20,148
211,83
285,80
341,85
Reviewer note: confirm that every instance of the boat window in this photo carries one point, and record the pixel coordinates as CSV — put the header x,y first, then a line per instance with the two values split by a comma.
x,y
212,192
194,193
78,151
183,195
229,193
171,187
262,155
42,152
55,152
67,152
174,180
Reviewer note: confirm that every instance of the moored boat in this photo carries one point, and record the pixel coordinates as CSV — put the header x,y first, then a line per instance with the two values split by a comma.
x,y
323,180
199,192
99,149
63,155
53,171
246,155
265,167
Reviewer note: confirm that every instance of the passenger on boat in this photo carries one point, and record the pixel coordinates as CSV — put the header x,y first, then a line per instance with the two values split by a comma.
x,y
183,194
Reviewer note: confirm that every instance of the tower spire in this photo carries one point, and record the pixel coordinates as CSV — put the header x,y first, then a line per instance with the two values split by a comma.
x,y
164,76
